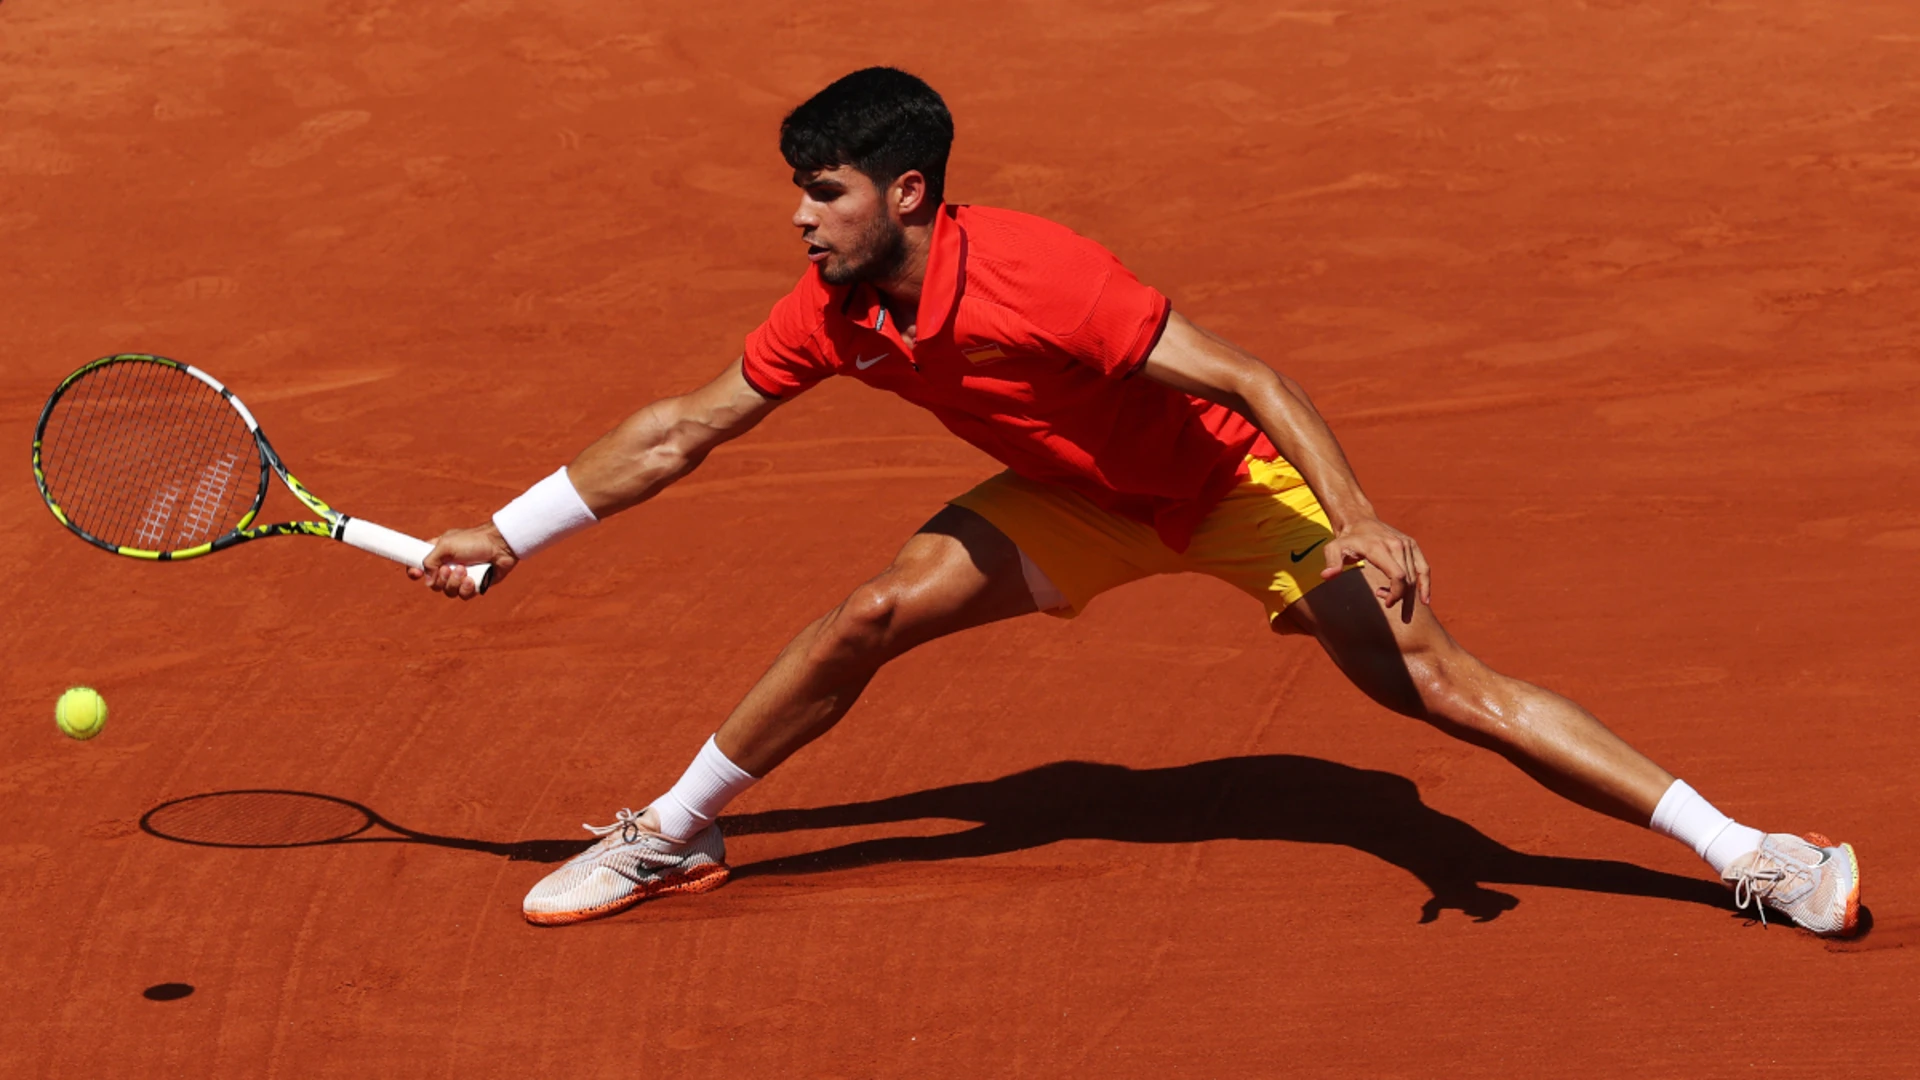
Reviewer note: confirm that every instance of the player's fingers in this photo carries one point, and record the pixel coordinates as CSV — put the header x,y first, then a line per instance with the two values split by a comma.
x,y
1387,561
1410,579
1395,587
1425,575
1337,558
1390,591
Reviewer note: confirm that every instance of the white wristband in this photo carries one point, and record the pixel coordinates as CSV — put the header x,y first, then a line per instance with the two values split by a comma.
x,y
544,514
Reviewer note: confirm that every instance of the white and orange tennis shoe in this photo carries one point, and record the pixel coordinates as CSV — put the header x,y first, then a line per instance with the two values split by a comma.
x,y
1809,879
628,865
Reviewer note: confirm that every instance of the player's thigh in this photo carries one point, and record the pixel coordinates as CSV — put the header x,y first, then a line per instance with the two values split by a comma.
x,y
957,572
1400,657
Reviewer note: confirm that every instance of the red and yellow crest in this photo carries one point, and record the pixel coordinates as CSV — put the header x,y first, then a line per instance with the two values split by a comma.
x,y
983,354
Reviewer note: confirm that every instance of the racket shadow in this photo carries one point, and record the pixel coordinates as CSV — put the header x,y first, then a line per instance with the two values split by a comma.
x,y
267,818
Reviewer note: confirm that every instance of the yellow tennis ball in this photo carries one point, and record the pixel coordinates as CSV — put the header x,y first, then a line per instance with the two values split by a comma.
x,y
81,714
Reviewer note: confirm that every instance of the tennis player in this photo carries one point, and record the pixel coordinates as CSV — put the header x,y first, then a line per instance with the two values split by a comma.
x,y
1135,443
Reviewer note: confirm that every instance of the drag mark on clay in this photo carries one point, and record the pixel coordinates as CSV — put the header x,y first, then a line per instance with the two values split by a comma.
x,y
1349,106
1275,18
1554,349
336,381
33,152
1895,933
308,139
1362,181
1894,160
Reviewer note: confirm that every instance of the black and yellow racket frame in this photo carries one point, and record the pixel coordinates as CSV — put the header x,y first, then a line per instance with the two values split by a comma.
x,y
330,525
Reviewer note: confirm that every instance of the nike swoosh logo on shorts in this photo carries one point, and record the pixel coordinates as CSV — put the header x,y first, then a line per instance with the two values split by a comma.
x,y
1298,555
863,363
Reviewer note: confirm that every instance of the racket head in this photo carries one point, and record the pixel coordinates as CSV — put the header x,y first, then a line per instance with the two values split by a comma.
x,y
148,457
258,818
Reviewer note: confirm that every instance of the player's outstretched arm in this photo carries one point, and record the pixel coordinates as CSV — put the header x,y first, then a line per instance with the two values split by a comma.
x,y
1190,359
632,463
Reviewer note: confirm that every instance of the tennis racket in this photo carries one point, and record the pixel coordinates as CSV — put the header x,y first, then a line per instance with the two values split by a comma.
x,y
154,459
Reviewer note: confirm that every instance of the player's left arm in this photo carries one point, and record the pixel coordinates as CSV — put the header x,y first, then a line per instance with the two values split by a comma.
x,y
1194,361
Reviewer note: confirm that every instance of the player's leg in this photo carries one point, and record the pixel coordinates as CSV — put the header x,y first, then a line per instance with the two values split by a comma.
x,y
1405,660
957,572
1408,662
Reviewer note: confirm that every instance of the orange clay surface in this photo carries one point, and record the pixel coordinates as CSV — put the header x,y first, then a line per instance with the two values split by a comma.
x,y
1613,303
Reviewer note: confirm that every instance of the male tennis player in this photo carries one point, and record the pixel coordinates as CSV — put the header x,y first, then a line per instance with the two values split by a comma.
x,y
1136,443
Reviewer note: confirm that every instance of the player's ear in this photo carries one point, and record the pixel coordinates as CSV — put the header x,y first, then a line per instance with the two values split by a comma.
x,y
909,191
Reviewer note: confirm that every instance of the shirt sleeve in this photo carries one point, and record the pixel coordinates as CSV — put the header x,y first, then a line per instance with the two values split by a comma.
x,y
788,353
1123,322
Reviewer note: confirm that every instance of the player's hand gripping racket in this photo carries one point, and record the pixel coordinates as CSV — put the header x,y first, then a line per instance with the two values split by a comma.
x,y
154,459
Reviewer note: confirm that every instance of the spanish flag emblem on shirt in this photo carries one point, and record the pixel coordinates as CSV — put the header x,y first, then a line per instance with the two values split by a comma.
x,y
984,354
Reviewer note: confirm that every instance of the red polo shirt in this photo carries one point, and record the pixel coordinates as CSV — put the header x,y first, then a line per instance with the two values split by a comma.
x,y
1026,337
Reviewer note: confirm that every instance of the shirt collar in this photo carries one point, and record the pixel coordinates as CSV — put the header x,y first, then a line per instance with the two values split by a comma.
x,y
946,274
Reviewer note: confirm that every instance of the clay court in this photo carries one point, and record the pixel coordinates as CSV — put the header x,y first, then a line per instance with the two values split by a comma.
x,y
1613,305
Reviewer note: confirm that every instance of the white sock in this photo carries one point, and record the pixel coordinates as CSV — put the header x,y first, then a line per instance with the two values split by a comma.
x,y
705,789
1692,820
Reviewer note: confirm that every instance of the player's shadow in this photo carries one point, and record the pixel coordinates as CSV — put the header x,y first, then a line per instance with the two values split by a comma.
x,y
1268,797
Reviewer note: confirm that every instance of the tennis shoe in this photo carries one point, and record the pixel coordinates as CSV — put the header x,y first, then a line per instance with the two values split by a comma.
x,y
628,865
1809,879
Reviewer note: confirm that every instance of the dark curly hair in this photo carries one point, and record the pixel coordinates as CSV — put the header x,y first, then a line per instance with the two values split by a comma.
x,y
879,120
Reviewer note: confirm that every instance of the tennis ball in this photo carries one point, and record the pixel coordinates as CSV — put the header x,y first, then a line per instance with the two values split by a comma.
x,y
81,714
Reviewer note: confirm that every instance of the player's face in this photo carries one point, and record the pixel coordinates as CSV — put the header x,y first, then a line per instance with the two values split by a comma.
x,y
849,229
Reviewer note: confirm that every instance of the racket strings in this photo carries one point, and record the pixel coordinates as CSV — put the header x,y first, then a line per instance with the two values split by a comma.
x,y
118,409
143,455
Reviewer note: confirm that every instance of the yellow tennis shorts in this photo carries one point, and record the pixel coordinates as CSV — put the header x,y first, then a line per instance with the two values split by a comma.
x,y
1267,538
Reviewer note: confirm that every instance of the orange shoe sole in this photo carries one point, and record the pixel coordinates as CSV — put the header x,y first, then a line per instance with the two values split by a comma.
x,y
699,880
1851,923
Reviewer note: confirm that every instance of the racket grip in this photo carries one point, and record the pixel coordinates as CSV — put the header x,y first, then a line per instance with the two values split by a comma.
x,y
401,548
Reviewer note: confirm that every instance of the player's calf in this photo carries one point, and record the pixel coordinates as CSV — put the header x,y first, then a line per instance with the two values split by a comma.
x,y
1407,662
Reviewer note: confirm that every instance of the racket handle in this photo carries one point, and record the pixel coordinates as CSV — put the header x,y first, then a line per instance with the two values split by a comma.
x,y
401,548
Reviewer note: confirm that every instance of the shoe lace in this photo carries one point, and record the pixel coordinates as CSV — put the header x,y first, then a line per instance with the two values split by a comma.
x,y
1757,883
1752,884
626,823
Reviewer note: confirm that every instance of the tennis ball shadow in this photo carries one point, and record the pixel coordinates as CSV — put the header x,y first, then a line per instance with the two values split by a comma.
x,y
167,991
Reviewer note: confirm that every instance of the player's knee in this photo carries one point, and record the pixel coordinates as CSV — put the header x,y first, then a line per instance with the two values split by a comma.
x,y
1444,692
858,631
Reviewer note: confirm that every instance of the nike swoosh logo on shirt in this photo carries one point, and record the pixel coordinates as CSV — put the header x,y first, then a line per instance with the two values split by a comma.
x,y
1298,555
863,363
